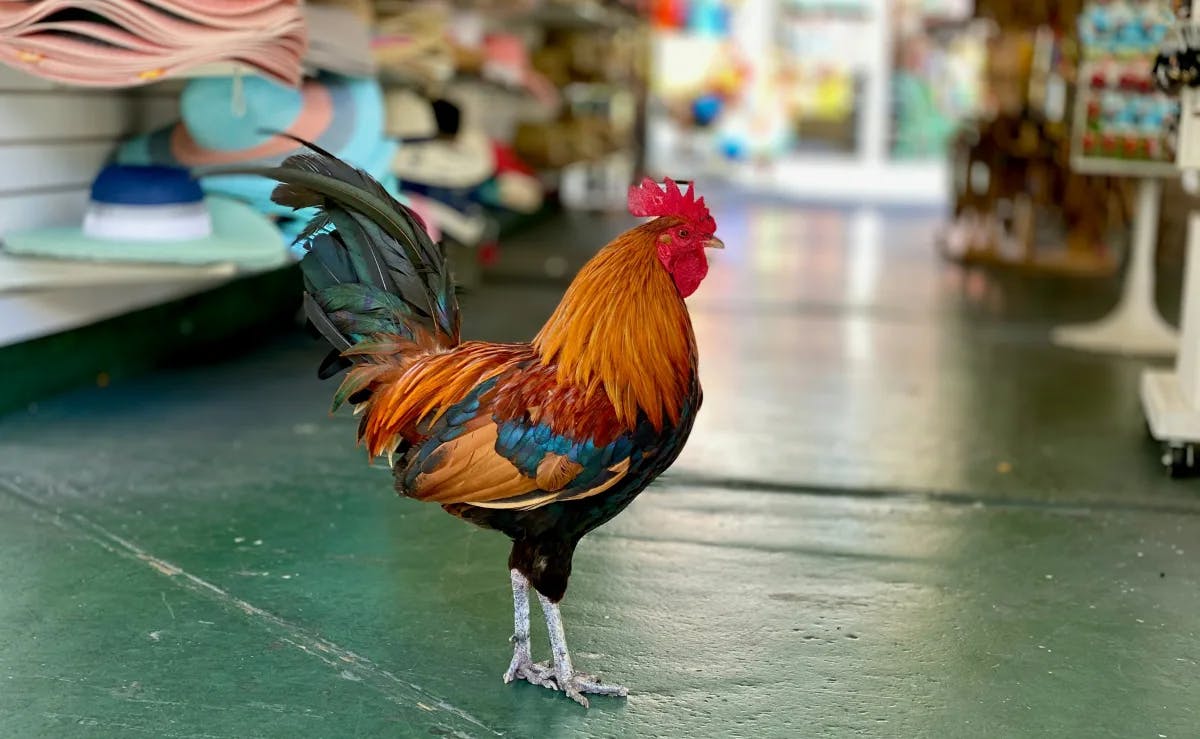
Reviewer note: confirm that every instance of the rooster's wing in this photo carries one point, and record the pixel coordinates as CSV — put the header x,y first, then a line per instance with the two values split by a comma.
x,y
504,444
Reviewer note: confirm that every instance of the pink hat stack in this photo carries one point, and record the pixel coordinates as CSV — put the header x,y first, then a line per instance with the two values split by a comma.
x,y
122,43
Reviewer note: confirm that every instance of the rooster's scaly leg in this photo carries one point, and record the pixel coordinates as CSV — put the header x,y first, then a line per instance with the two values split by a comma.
x,y
522,665
574,684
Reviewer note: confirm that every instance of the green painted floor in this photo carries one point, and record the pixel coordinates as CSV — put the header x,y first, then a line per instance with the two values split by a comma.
x,y
902,514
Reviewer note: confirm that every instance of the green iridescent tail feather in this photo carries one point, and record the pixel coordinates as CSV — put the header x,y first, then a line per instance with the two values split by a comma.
x,y
371,269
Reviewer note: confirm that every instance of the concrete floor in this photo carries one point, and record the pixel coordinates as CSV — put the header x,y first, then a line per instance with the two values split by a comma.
x,y
902,514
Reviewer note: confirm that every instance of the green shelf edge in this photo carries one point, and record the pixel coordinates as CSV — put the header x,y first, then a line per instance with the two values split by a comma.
x,y
205,325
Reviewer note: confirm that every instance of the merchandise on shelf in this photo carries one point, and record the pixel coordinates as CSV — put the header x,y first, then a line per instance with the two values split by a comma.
x,y
1122,119
824,55
1018,200
1125,29
1125,116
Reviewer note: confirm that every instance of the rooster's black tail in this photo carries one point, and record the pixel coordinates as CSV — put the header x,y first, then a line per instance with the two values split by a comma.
x,y
371,268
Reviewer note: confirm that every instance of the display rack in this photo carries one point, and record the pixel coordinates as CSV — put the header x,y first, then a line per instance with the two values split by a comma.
x,y
1107,139
1134,326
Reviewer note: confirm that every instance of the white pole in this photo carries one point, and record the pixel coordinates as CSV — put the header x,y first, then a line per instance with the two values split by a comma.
x,y
1188,365
873,126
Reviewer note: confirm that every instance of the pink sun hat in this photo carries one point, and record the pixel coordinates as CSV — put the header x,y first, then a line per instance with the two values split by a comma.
x,y
121,43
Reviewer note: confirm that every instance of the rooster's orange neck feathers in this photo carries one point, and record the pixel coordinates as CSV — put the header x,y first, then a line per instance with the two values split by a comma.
x,y
622,329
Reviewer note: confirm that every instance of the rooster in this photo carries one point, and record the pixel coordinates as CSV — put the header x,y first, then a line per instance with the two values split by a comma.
x,y
543,441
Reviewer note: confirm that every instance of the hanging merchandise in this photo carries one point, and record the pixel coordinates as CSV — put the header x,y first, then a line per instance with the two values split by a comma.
x,y
669,13
1017,200
709,18
122,43
1124,125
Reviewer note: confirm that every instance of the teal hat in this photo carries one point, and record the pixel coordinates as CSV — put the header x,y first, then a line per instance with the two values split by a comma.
x,y
227,120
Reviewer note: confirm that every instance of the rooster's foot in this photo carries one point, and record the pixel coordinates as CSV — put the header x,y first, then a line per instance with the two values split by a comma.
x,y
522,668
577,684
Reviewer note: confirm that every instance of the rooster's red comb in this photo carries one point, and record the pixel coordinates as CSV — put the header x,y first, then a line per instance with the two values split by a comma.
x,y
650,199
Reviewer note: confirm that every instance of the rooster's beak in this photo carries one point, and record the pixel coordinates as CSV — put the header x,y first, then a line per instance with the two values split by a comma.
x,y
714,243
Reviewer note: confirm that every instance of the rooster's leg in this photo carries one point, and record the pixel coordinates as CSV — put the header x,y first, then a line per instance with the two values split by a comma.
x,y
574,684
522,665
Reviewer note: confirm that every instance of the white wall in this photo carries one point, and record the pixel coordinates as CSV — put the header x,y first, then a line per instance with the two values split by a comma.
x,y
54,139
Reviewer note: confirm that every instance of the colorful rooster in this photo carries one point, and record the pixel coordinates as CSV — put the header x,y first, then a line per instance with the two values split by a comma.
x,y
542,441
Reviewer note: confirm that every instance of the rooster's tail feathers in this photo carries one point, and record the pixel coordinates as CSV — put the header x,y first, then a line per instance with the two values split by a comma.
x,y
371,268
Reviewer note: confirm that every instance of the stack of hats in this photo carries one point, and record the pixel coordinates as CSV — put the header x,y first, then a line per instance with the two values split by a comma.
x,y
236,120
232,120
410,43
453,168
121,43
339,37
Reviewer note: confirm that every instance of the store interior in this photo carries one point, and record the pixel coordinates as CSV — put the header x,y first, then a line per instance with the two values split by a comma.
x,y
943,481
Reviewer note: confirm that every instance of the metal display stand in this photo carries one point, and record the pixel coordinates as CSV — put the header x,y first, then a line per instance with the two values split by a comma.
x,y
1134,326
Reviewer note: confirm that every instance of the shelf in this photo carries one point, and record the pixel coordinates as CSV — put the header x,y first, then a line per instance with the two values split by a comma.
x,y
843,180
1122,167
105,333
51,301
19,274
578,16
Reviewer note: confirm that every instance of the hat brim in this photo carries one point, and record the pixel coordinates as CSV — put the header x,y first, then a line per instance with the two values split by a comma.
x,y
336,116
240,235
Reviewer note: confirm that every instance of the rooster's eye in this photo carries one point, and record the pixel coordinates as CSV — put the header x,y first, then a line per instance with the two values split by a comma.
x,y
683,233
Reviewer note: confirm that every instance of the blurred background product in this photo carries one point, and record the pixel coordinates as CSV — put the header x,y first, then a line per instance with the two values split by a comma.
x,y
815,99
1125,126
1018,200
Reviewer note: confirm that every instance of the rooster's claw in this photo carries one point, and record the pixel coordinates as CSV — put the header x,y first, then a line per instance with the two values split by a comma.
x,y
575,686
523,669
